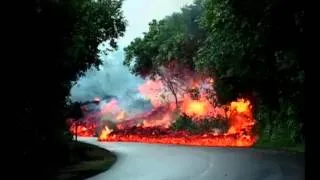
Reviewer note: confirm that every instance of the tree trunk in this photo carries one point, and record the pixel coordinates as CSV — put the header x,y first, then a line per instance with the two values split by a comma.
x,y
173,93
76,130
176,99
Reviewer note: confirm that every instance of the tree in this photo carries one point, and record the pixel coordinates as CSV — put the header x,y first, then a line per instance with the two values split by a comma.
x,y
254,48
63,44
167,49
251,48
176,38
76,113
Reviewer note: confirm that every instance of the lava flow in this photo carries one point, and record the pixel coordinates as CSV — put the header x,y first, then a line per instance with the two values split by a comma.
x,y
82,128
185,111
238,134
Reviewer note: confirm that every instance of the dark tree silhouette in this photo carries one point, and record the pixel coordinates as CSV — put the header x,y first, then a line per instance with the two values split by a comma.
x,y
59,43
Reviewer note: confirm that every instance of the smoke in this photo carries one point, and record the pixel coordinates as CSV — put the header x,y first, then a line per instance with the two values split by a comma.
x,y
113,79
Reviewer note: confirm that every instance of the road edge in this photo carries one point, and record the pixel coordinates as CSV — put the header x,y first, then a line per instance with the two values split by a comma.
x,y
98,161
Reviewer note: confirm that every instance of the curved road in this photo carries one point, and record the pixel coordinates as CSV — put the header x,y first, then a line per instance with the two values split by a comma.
x,y
171,162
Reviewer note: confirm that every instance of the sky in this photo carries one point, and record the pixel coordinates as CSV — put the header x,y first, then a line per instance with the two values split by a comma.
x,y
114,78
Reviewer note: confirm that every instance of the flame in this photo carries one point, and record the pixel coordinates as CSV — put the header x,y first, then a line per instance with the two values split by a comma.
x,y
194,97
85,129
241,105
104,133
195,108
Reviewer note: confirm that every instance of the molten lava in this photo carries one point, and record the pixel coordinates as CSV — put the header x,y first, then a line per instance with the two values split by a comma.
x,y
189,95
85,129
239,133
167,136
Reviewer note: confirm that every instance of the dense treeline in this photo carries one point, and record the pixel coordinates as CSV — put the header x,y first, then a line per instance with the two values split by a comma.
x,y
63,39
251,48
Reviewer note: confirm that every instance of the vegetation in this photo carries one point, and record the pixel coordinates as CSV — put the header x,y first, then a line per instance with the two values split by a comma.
x,y
251,48
184,122
63,39
86,160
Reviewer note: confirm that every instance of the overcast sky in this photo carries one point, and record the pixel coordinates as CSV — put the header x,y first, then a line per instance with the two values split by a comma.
x,y
114,78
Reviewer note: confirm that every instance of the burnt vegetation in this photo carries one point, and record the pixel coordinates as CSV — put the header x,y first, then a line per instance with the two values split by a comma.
x,y
251,47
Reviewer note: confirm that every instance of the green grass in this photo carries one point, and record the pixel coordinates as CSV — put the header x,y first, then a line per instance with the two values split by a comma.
x,y
87,160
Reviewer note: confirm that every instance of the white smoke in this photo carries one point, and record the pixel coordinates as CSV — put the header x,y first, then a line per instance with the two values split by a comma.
x,y
112,79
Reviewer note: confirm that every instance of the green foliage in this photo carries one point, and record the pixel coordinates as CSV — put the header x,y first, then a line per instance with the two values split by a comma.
x,y
254,47
184,122
62,44
209,124
251,48
176,37
279,128
243,50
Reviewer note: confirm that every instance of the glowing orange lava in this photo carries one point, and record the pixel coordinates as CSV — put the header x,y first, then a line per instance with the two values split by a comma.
x,y
191,95
239,133
84,129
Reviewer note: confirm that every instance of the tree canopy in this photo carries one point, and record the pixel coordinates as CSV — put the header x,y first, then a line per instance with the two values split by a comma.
x,y
63,39
251,49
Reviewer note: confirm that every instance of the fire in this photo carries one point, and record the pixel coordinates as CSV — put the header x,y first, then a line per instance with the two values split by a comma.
x,y
241,105
195,108
85,129
189,95
165,136
104,133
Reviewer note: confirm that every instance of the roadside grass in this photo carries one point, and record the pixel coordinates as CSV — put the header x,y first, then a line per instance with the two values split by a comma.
x,y
280,145
87,161
280,130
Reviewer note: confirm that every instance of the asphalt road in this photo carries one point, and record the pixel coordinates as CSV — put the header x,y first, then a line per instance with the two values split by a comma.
x,y
170,162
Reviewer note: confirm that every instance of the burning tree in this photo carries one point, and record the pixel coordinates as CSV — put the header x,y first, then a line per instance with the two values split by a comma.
x,y
173,78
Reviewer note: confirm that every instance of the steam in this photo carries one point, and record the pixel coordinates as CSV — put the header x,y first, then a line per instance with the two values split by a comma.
x,y
113,79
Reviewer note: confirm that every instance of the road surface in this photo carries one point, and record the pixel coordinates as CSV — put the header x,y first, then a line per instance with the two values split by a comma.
x,y
171,162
